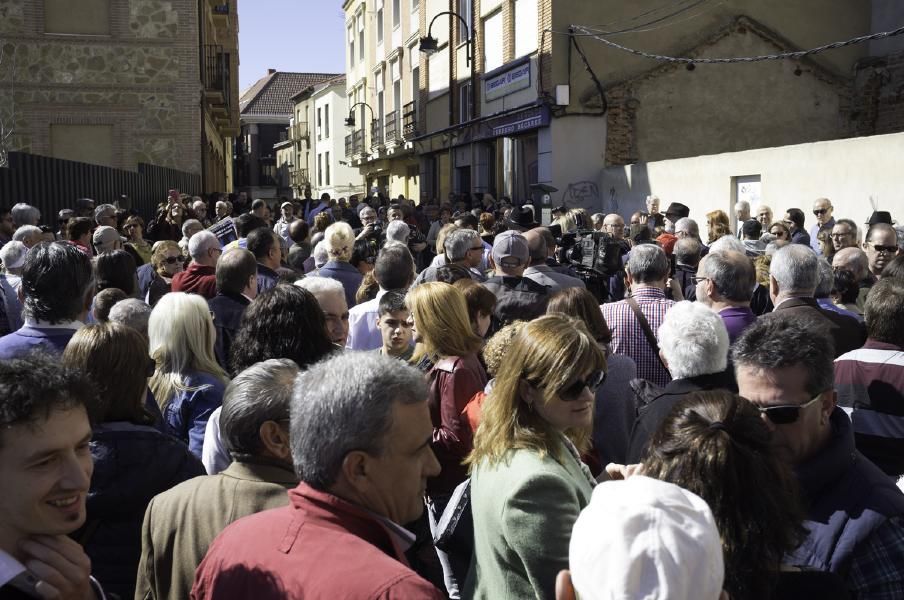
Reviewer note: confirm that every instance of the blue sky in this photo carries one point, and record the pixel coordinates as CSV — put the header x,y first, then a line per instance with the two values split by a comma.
x,y
290,35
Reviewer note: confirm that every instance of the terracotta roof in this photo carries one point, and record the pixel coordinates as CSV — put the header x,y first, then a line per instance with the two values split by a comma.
x,y
333,81
271,95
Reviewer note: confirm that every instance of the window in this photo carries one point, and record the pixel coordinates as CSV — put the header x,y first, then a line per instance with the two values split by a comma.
x,y
91,18
464,102
84,143
464,9
525,27
492,50
438,72
327,161
319,123
319,170
351,47
379,22
326,121
396,13
361,36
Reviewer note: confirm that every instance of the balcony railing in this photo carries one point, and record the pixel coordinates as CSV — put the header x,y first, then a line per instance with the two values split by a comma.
x,y
215,75
354,143
298,178
299,131
376,133
409,120
392,127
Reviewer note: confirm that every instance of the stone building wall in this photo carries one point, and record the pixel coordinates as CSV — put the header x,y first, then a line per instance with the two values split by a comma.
x,y
142,80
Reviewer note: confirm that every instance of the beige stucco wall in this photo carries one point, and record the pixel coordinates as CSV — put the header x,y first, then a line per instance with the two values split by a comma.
x,y
848,172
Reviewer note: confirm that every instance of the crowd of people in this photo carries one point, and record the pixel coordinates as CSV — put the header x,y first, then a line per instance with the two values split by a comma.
x,y
372,398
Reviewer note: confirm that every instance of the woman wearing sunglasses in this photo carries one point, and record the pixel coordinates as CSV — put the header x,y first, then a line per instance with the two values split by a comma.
x,y
167,260
528,484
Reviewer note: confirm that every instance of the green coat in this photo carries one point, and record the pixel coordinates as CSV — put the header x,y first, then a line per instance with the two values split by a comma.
x,y
524,509
180,524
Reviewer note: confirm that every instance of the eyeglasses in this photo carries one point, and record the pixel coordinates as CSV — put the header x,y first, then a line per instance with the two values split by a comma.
x,y
171,260
697,280
477,248
573,391
786,413
778,233
888,249
820,211
840,236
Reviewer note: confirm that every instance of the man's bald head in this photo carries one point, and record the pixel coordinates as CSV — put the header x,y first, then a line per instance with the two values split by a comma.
x,y
536,244
853,260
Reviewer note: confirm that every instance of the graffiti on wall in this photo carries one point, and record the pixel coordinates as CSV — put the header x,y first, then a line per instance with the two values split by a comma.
x,y
581,194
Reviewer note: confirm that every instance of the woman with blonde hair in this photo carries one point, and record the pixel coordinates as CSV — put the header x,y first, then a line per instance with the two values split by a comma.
x,y
187,381
340,243
528,484
167,260
717,225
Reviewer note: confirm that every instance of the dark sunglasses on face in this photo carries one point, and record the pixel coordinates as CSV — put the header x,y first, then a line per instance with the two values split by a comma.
x,y
820,211
171,260
574,391
786,413
889,249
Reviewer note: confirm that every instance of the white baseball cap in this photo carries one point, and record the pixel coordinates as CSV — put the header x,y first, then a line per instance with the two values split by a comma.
x,y
645,538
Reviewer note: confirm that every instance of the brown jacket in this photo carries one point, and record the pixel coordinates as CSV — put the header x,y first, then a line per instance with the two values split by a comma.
x,y
181,523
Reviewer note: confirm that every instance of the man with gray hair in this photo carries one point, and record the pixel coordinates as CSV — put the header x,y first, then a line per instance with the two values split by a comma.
x,y
28,235
693,343
133,313
180,524
725,283
742,213
330,296
793,276
105,215
360,437
25,214
462,247
200,277
189,228
398,231
633,321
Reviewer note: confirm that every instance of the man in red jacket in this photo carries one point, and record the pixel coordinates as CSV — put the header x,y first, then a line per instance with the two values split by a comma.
x,y
360,436
201,275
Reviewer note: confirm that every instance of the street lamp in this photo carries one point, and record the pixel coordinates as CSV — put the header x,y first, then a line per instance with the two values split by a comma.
x,y
430,44
350,120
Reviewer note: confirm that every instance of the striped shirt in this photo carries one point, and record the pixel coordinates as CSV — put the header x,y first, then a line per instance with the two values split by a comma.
x,y
870,386
628,337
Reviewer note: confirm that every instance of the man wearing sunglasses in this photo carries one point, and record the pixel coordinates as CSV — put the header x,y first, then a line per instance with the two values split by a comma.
x,y
822,210
881,246
855,513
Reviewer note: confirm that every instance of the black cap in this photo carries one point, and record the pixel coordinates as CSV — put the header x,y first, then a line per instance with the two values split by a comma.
x,y
676,211
880,216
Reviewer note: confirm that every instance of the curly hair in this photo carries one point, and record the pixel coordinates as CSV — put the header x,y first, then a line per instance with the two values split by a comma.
x,y
716,445
283,322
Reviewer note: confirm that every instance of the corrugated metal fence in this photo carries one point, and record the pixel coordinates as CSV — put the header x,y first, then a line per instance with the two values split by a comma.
x,y
52,184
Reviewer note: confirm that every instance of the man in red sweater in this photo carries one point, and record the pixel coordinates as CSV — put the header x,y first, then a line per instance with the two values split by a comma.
x,y
341,535
201,275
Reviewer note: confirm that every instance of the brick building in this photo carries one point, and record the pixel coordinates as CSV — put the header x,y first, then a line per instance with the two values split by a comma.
x,y
120,82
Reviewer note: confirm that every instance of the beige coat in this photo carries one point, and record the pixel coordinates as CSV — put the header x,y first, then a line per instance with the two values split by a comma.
x,y
181,523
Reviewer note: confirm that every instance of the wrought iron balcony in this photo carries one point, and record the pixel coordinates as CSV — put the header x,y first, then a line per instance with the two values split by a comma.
x,y
298,178
392,127
354,144
376,133
299,132
215,75
409,120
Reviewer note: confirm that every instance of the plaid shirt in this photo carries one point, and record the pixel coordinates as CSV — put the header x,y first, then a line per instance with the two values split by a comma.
x,y
627,334
877,566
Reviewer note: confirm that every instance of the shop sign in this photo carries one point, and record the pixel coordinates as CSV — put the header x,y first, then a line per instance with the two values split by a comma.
x,y
523,120
511,81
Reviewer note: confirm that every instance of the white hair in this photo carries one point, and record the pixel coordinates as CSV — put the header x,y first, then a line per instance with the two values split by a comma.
x,y
131,312
728,243
742,204
26,231
795,268
189,225
321,254
398,231
321,285
25,214
12,252
340,240
200,243
693,340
